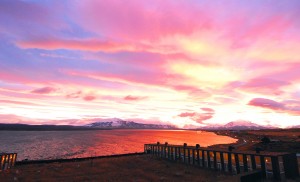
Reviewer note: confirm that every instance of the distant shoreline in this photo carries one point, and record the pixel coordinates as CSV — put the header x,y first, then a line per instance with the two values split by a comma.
x,y
26,127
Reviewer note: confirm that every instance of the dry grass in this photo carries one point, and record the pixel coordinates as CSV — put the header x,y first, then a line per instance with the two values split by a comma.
x,y
127,168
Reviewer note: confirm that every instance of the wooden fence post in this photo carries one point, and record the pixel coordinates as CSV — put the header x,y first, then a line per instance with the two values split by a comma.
x,y
203,158
215,160
263,165
189,156
208,159
245,162
290,166
222,161
194,156
275,167
237,163
253,162
198,157
184,154
229,162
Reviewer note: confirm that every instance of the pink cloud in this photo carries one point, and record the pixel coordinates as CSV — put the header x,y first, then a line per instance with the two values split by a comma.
x,y
257,30
137,20
265,82
12,118
16,76
84,45
14,95
199,117
133,98
79,94
156,77
193,90
264,86
44,90
74,95
187,114
291,107
89,98
266,103
208,109
17,102
133,45
289,74
202,117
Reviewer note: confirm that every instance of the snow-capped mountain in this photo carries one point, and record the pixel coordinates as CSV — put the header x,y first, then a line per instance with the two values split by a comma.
x,y
119,123
296,126
244,124
238,125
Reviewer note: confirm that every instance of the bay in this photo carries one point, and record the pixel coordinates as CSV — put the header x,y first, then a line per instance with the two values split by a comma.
x,y
36,145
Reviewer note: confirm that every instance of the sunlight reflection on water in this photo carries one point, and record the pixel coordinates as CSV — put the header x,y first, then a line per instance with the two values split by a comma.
x,y
34,145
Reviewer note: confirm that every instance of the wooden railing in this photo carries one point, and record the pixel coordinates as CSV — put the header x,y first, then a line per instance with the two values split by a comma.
x,y
7,160
273,165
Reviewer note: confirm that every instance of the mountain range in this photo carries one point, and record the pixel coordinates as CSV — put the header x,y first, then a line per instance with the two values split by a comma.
x,y
116,123
239,125
119,123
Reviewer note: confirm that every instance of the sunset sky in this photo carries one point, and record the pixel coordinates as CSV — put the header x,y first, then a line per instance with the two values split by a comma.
x,y
190,63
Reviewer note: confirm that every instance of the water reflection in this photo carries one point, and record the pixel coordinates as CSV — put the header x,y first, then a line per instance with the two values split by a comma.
x,y
69,144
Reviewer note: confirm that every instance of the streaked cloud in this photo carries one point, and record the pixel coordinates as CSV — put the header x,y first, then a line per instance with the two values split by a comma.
x,y
134,98
164,61
44,90
82,45
266,103
290,107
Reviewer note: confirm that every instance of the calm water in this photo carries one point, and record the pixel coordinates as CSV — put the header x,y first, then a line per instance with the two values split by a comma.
x,y
34,145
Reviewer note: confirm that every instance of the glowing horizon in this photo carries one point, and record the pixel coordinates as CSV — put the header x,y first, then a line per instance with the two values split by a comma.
x,y
186,63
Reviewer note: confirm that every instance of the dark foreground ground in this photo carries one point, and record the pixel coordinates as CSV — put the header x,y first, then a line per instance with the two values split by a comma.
x,y
281,140
125,168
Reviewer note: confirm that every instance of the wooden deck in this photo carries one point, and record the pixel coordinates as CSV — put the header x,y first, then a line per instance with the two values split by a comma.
x,y
274,165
